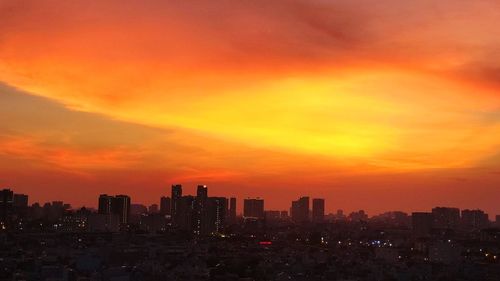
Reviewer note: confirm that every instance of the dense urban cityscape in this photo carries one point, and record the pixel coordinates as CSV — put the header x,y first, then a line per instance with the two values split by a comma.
x,y
198,237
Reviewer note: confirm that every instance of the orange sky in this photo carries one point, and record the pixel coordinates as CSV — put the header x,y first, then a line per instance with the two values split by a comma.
x,y
380,105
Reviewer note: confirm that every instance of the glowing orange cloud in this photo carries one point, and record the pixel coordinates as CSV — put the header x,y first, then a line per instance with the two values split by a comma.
x,y
245,91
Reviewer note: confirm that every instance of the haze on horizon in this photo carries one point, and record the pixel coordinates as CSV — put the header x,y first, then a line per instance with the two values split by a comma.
x,y
375,105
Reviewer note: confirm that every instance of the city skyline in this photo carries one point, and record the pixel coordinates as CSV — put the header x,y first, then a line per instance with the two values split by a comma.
x,y
392,106
285,202
300,210
200,238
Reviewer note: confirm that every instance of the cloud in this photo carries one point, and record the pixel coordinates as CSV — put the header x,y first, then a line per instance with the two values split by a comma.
x,y
42,133
250,34
247,91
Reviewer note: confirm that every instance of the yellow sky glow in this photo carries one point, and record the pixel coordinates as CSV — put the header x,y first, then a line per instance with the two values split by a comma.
x,y
248,91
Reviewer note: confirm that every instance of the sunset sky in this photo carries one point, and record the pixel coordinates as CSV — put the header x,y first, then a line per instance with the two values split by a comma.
x,y
376,105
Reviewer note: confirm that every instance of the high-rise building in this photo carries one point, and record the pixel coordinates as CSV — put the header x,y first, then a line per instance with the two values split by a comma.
x,y
474,219
121,206
300,210
216,214
232,209
253,208
186,213
294,209
118,205
20,201
104,206
201,221
421,224
446,218
20,204
175,201
165,205
202,192
318,210
6,203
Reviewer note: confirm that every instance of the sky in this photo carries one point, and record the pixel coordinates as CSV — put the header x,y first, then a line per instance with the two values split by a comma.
x,y
375,105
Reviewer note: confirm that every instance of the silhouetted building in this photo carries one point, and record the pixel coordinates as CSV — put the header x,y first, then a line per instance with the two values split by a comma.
x,y
58,204
200,214
176,197
444,252
300,210
339,216
165,205
103,222
153,222
272,215
446,218
393,218
104,206
284,214
153,209
474,219
138,209
121,207
253,208
232,209
186,214
48,212
318,210
118,205
57,210
36,211
201,221
359,216
20,205
216,214
52,212
72,222
6,203
20,201
202,192
421,224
